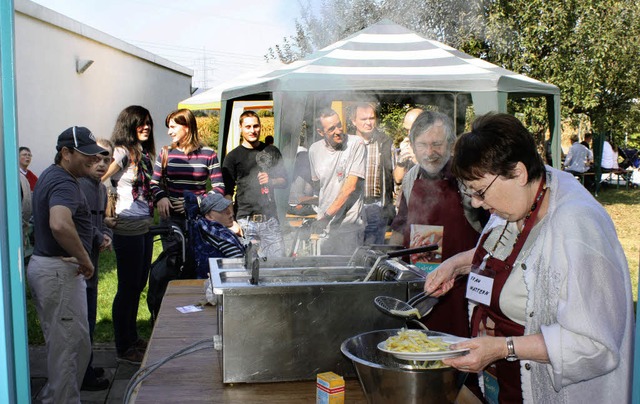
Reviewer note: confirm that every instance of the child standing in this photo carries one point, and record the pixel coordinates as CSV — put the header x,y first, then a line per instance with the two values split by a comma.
x,y
96,194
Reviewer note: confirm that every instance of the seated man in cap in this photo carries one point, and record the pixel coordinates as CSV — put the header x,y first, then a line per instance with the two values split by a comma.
x,y
211,232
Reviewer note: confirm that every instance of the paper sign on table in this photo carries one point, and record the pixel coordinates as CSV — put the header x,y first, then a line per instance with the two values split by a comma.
x,y
189,309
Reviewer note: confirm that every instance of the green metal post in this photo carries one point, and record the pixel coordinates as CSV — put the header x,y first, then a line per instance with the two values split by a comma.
x,y
14,357
636,356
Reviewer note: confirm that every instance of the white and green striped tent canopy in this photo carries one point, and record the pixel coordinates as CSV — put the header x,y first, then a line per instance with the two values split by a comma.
x,y
388,58
211,98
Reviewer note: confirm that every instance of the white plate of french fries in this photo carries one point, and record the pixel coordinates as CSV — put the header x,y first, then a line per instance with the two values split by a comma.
x,y
416,345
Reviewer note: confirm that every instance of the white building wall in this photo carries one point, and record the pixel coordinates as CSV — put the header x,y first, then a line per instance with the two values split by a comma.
x,y
51,95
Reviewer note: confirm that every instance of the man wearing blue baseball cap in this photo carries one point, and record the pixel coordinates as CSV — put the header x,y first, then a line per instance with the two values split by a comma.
x,y
61,262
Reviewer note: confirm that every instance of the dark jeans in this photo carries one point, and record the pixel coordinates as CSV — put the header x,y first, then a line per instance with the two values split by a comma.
x,y
376,227
133,258
588,181
92,310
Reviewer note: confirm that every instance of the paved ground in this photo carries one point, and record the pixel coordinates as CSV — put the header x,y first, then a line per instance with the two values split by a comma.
x,y
104,355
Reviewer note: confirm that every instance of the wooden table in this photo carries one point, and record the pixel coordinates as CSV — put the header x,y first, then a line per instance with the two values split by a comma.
x,y
197,377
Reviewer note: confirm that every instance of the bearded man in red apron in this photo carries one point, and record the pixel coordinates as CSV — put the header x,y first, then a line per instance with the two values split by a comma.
x,y
433,210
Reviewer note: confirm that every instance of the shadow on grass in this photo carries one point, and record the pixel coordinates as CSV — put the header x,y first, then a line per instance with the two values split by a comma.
x,y
611,196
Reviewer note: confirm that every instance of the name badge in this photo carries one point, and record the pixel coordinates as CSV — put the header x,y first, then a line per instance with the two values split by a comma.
x,y
479,286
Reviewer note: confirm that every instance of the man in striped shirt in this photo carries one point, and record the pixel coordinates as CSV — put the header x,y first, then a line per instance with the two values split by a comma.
x,y
379,165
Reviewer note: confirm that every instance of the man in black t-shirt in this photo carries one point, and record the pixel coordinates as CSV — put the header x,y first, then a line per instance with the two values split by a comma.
x,y
254,170
61,262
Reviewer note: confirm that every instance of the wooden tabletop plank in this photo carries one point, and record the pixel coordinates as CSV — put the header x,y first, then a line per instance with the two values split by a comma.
x,y
197,377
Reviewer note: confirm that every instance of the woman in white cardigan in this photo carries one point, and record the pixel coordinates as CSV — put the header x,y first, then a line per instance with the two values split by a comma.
x,y
557,324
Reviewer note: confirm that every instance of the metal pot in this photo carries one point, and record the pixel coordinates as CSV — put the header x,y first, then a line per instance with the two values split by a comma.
x,y
386,379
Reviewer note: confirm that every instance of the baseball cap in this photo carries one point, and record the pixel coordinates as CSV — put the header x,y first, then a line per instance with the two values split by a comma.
x,y
215,202
81,139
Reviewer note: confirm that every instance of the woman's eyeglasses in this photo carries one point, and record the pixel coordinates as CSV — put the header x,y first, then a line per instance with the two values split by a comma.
x,y
479,195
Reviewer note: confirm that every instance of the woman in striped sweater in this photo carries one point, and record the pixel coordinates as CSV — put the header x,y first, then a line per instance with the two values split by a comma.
x,y
189,165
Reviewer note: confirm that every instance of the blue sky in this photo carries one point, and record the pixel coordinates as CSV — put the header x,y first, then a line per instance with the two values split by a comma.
x,y
218,39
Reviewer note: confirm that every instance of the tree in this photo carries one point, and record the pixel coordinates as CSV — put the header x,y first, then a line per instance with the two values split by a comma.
x,y
321,24
590,49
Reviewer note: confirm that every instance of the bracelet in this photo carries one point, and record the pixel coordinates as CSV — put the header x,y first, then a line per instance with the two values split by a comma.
x,y
511,352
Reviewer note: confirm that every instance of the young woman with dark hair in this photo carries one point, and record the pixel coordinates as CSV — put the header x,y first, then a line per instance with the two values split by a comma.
x,y
130,173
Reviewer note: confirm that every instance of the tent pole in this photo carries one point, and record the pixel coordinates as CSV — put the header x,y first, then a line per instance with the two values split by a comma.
x,y
455,113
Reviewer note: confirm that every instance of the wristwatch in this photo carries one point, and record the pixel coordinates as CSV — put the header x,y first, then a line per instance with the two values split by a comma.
x,y
511,352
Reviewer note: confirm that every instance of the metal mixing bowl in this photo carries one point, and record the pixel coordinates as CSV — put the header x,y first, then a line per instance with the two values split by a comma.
x,y
386,379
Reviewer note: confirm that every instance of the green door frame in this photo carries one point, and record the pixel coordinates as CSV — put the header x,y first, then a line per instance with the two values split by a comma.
x,y
14,354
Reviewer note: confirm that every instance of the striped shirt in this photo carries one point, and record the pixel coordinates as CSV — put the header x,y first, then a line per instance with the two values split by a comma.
x,y
187,173
213,240
372,178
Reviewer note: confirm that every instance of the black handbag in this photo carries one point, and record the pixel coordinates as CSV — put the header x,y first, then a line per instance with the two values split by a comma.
x,y
167,267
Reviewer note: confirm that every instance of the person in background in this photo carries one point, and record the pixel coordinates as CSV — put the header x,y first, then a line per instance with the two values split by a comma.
x,y
24,154
25,200
588,138
434,211
130,171
254,169
578,159
61,262
96,194
407,158
558,321
189,166
608,161
380,161
268,140
616,155
338,169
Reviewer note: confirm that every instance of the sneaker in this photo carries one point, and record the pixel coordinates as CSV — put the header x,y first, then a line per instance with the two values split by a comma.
x,y
97,384
141,344
132,357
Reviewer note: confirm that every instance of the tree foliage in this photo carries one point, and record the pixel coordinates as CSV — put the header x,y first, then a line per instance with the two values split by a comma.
x,y
590,49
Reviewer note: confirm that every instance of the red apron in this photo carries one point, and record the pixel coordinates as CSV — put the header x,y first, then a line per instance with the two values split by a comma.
x,y
438,202
503,376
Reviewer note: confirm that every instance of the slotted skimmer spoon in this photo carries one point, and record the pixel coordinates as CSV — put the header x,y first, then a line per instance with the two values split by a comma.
x,y
406,310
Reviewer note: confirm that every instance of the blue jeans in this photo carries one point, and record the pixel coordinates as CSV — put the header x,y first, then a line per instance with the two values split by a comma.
x,y
376,224
133,258
268,234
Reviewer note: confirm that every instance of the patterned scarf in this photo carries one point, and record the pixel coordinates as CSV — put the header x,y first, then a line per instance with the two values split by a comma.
x,y
140,184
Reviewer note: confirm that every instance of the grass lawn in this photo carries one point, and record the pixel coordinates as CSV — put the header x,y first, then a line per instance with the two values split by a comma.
x,y
623,206
107,286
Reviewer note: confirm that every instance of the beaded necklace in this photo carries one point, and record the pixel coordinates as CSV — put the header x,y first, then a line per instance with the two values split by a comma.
x,y
529,218
535,208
